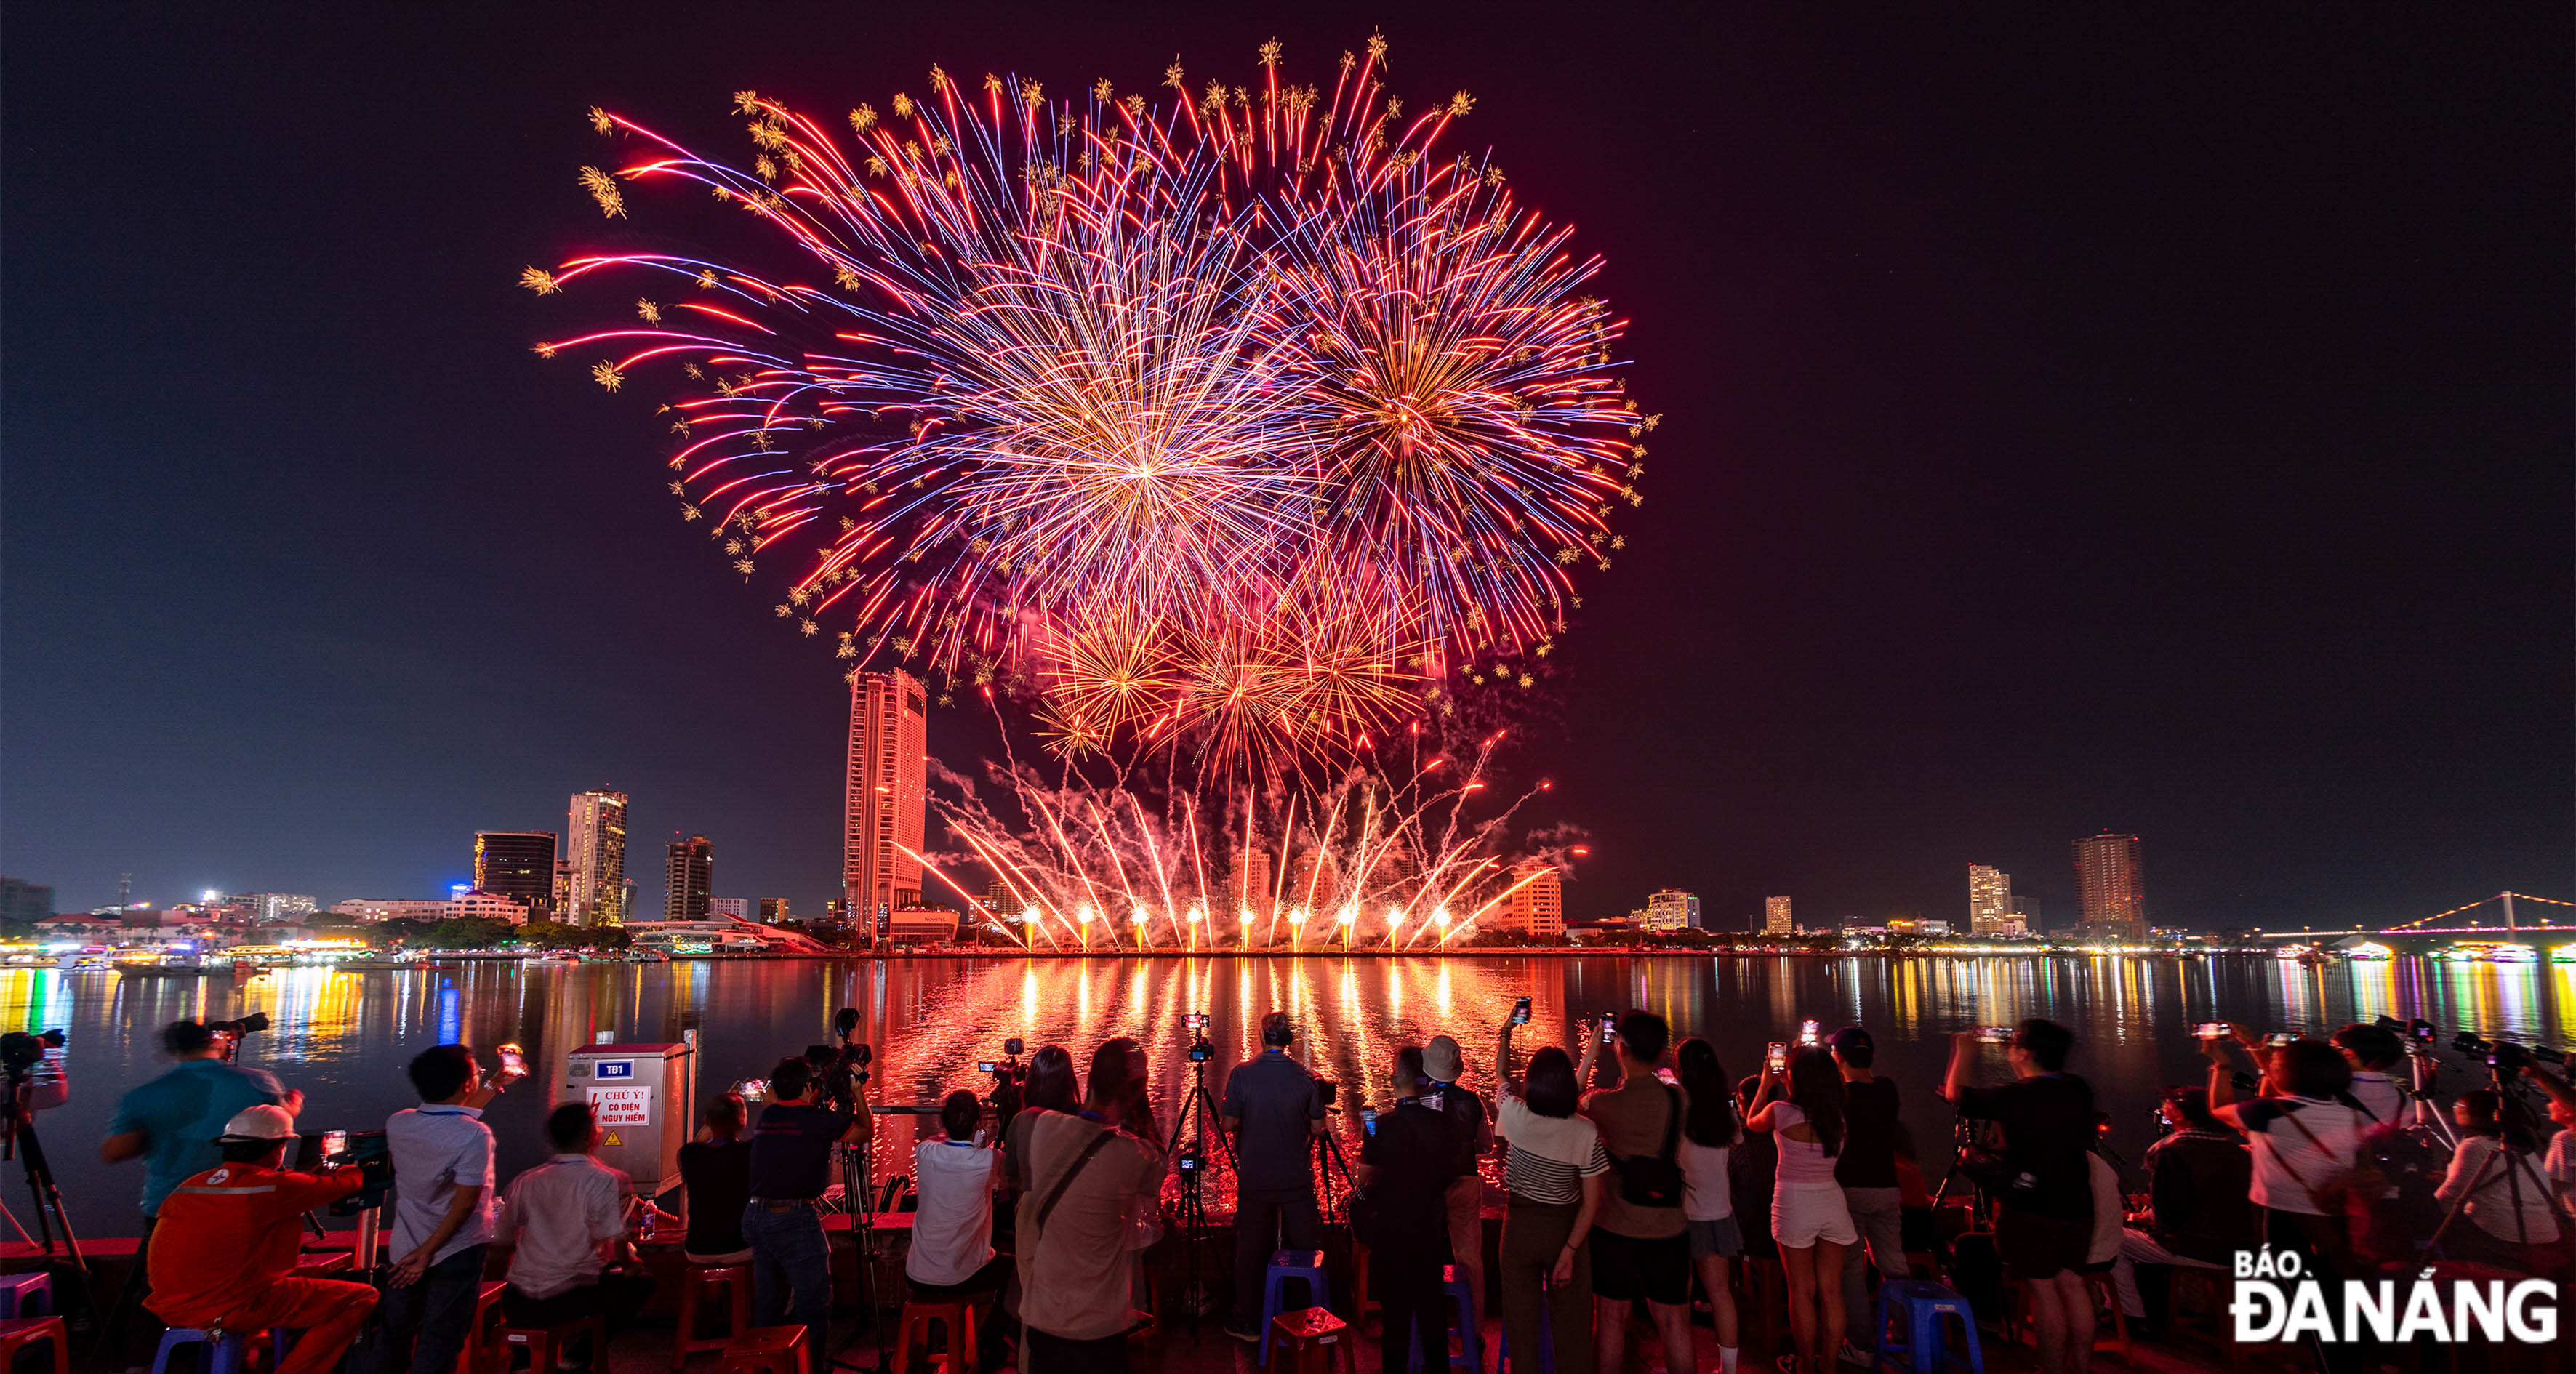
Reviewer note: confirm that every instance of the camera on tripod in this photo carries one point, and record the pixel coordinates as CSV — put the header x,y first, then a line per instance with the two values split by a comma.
x,y
1196,1023
21,1051
1327,1090
2418,1033
2505,1056
367,1150
228,1034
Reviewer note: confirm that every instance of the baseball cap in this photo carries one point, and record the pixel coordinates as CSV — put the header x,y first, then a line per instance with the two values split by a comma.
x,y
1850,1038
1440,1060
258,1123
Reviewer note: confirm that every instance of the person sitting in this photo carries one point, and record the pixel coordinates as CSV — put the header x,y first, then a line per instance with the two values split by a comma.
x,y
715,1177
952,1230
567,1219
225,1249
2200,1211
2508,1218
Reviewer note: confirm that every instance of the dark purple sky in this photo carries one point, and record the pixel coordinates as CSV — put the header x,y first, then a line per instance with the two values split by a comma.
x,y
2156,420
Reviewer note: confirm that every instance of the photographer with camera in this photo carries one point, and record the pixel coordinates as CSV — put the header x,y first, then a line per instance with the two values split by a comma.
x,y
2375,1052
229,1239
1273,1107
2199,1210
952,1228
791,1167
2506,1193
2044,1227
443,1208
2560,1162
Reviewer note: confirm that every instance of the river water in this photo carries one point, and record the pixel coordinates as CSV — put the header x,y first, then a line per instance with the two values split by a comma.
x,y
343,1038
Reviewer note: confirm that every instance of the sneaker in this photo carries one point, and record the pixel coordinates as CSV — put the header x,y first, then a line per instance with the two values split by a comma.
x,y
1852,1354
1243,1332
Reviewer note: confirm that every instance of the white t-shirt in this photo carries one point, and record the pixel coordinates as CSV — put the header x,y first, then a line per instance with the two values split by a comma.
x,y
1706,1193
2491,1206
952,1233
556,1216
2560,1162
2380,1095
2107,1206
2284,1156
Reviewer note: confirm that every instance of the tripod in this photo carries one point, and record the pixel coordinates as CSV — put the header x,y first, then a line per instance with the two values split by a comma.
x,y
858,1201
2513,1116
1328,1158
1197,1109
18,1137
2420,1115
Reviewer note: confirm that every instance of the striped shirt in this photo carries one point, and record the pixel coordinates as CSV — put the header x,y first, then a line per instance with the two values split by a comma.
x,y
1550,1156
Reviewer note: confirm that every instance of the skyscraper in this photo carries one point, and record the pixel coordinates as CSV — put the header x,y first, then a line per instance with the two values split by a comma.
x,y
1775,917
1537,907
1672,909
882,809
1990,906
691,870
595,836
2107,873
1248,887
519,865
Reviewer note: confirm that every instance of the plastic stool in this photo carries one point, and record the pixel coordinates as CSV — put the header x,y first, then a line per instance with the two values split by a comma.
x,y
1921,1306
2114,1333
1310,1336
1470,1347
484,1353
17,1333
772,1349
957,1315
1287,1265
545,1344
1361,1303
694,1282
26,1295
226,1356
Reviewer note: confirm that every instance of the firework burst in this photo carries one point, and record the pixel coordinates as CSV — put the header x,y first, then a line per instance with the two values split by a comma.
x,y
1233,424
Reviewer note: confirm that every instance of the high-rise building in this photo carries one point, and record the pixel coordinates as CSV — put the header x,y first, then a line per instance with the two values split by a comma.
x,y
518,864
1989,900
881,810
1248,887
595,843
773,910
24,902
1537,907
1775,917
2107,874
2025,912
1672,909
562,905
729,908
269,908
690,869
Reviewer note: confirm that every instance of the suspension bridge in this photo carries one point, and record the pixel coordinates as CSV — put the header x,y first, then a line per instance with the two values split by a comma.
x,y
2556,917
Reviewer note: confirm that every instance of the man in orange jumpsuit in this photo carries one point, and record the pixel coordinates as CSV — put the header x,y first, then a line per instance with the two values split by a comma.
x,y
223,1256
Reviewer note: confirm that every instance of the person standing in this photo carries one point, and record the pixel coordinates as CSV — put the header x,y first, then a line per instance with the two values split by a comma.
x,y
1866,1169
566,1222
1088,1178
1553,1178
1466,1196
1408,1157
1709,1135
1640,1248
2044,1226
1813,1229
171,1122
443,1208
715,1178
1272,1109
791,1166
2376,1053
230,1239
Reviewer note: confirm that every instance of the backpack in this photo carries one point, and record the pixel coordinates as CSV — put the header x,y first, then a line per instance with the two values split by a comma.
x,y
1655,1180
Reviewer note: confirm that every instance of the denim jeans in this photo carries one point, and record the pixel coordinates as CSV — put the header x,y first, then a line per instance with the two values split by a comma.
x,y
790,1259
426,1323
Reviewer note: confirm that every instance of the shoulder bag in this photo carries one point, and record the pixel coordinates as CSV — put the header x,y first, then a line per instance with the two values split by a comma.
x,y
1655,1180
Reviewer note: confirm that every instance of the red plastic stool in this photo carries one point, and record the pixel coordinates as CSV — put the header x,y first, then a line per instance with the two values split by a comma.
x,y
484,1353
736,1280
771,1349
17,1333
959,1357
1309,1337
546,1344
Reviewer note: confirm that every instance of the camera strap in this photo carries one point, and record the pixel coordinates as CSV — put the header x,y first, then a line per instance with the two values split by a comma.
x,y
1064,1180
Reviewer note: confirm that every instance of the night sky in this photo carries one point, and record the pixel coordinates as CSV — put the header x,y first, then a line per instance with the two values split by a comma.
x,y
2155,419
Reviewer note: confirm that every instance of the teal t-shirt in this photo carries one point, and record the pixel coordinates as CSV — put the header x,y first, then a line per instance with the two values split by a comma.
x,y
180,1114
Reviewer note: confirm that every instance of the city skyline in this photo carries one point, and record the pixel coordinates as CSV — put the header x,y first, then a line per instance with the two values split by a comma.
x,y
2218,551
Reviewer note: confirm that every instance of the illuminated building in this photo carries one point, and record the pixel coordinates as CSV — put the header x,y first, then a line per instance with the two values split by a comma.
x,y
466,904
1990,902
390,909
1672,909
272,908
1775,917
2108,875
518,864
1537,907
595,836
920,925
773,910
882,807
690,869
1248,889
729,908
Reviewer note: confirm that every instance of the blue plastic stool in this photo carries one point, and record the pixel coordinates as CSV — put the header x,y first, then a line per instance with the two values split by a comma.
x,y
1285,1266
27,1295
1546,1340
228,1355
1470,1355
1922,1305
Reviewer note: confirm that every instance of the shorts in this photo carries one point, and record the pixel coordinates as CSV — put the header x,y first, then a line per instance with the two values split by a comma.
x,y
1804,1213
1717,1239
1625,1268
2032,1246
